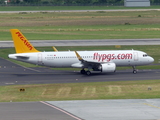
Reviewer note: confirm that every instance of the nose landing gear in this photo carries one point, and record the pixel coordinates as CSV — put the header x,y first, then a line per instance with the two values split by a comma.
x,y
134,70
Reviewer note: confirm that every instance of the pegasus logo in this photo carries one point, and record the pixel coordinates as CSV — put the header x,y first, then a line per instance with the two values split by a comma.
x,y
24,41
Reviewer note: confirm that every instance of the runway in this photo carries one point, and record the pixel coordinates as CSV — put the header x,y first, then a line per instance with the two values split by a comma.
x,y
104,42
109,10
13,74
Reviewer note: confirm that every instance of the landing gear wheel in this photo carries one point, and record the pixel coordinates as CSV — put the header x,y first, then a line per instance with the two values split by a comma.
x,y
134,71
83,71
88,73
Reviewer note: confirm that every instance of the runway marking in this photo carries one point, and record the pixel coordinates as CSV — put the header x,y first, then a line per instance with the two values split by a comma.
x,y
112,89
31,69
93,91
44,92
86,91
63,91
151,105
23,66
9,83
90,90
57,108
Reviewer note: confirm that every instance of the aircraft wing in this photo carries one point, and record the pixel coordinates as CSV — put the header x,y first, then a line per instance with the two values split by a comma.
x,y
84,63
96,66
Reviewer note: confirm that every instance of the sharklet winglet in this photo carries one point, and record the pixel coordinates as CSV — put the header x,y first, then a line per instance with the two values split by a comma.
x,y
78,56
54,48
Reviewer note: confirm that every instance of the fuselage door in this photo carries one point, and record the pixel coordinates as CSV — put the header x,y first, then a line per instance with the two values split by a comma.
x,y
135,56
40,61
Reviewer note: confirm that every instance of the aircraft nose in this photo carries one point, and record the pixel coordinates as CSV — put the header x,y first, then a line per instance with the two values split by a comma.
x,y
151,59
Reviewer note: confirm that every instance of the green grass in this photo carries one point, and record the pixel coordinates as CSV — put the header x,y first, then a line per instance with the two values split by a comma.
x,y
82,25
30,8
106,32
90,33
81,91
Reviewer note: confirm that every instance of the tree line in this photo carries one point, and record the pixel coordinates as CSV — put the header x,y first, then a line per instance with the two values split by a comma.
x,y
70,2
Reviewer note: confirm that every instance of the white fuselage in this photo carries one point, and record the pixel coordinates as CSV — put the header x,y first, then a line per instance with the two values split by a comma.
x,y
69,58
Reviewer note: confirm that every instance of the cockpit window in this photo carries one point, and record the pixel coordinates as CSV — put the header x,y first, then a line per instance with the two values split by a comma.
x,y
145,55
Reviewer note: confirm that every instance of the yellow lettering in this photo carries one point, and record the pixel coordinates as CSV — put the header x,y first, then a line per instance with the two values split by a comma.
x,y
24,41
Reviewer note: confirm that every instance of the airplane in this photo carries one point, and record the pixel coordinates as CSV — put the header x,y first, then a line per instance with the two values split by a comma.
x,y
89,61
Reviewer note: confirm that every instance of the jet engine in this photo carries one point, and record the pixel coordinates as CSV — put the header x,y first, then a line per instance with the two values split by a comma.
x,y
108,67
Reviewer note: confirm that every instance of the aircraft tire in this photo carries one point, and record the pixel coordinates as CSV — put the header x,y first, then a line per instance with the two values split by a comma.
x,y
83,71
88,73
134,71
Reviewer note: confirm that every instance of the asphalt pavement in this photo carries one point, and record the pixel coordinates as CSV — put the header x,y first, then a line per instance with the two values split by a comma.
x,y
123,109
110,10
13,74
32,111
96,42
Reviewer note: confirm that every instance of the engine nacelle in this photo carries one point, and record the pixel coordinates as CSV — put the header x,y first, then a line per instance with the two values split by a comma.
x,y
108,67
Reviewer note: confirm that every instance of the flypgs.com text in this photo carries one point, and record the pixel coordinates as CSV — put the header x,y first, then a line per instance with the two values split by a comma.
x,y
109,57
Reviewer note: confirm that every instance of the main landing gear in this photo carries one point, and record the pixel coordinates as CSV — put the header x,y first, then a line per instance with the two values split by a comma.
x,y
85,72
89,72
134,70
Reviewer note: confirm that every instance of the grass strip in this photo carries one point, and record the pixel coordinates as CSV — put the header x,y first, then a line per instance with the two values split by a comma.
x,y
82,91
82,25
32,8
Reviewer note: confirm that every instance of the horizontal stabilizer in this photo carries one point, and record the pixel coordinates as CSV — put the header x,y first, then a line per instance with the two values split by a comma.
x,y
23,57
17,56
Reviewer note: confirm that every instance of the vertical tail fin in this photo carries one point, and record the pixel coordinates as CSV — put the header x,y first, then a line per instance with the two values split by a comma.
x,y
21,44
